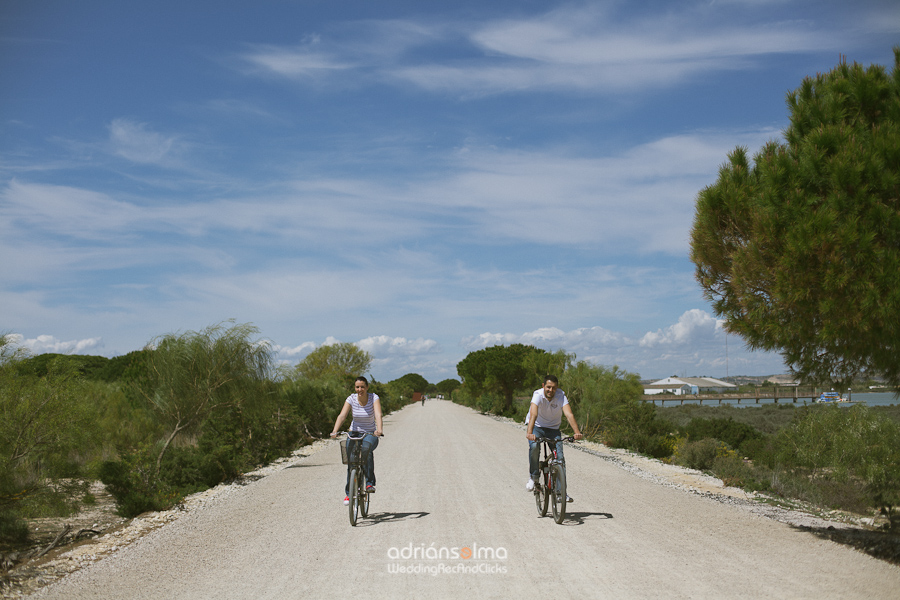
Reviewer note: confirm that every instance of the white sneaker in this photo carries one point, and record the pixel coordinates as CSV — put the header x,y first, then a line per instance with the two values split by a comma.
x,y
569,499
529,486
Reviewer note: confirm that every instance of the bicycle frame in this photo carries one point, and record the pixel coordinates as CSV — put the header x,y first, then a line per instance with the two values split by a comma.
x,y
359,497
550,489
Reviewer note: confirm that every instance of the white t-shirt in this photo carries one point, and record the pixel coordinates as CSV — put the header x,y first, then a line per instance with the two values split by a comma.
x,y
549,414
363,416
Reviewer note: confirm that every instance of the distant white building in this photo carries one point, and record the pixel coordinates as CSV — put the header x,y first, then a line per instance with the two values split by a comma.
x,y
688,385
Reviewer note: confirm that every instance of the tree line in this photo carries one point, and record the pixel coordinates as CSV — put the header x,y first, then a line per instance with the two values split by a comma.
x,y
185,413
831,456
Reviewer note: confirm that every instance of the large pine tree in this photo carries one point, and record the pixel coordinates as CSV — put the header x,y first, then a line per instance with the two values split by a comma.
x,y
799,251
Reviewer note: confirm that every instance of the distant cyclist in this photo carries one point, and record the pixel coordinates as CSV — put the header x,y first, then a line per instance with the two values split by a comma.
x,y
548,405
366,410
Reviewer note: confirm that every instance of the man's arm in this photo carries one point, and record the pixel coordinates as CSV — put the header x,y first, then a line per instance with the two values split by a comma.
x,y
570,417
532,416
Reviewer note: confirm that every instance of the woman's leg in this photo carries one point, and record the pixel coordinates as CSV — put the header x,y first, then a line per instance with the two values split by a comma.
x,y
369,443
351,444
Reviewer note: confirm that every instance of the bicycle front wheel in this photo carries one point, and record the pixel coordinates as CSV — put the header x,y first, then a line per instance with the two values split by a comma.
x,y
364,501
558,493
541,494
354,496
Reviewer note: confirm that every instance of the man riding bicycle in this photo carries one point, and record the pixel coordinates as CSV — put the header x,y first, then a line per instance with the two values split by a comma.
x,y
548,405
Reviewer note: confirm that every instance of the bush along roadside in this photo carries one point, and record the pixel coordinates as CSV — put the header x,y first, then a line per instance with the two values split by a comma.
x,y
830,456
188,412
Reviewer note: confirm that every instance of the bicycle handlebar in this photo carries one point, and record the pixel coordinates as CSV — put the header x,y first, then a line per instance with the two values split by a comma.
x,y
354,437
554,440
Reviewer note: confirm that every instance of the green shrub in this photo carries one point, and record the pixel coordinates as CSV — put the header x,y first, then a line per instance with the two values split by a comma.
x,y
727,430
765,418
635,425
47,435
700,454
760,450
733,471
316,403
846,453
132,482
13,530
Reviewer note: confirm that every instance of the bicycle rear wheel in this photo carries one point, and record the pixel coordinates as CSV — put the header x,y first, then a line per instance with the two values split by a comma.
x,y
558,493
541,494
354,496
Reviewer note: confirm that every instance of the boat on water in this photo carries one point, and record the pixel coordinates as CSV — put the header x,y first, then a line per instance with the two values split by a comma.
x,y
831,396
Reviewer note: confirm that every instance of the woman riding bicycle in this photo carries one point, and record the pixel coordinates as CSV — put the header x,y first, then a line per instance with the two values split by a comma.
x,y
365,408
548,405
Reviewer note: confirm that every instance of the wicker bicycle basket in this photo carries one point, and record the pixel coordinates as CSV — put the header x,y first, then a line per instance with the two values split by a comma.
x,y
344,457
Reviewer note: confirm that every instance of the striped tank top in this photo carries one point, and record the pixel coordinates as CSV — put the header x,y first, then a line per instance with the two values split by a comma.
x,y
363,416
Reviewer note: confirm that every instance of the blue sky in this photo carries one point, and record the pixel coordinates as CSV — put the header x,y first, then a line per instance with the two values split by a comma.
x,y
421,178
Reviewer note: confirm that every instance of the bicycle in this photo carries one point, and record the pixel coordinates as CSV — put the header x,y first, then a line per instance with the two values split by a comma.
x,y
551,485
359,496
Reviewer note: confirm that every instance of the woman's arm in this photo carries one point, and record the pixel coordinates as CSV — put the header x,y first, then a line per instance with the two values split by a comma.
x,y
340,418
378,429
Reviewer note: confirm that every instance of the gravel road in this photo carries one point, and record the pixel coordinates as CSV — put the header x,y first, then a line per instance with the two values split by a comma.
x,y
451,519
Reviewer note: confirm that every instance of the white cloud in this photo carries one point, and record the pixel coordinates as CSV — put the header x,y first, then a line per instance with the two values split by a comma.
x,y
136,143
293,62
64,211
692,326
695,344
569,48
43,344
644,197
581,341
589,37
299,351
389,354
381,346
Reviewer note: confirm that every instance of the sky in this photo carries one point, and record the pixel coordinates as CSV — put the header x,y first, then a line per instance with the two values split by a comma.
x,y
423,179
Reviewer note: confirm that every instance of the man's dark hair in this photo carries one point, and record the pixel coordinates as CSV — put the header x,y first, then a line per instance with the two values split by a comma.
x,y
551,378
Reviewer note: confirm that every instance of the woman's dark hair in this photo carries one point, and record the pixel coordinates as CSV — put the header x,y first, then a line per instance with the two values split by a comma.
x,y
363,379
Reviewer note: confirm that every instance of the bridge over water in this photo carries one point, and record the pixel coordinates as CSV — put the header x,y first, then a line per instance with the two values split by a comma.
x,y
786,395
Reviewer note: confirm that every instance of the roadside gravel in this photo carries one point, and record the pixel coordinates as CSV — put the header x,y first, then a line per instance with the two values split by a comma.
x,y
36,574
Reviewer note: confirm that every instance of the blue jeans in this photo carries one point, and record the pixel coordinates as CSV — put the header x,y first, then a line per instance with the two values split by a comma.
x,y
534,450
369,443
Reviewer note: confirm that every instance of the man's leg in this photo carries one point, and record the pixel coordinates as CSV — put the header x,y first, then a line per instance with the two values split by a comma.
x,y
562,459
534,458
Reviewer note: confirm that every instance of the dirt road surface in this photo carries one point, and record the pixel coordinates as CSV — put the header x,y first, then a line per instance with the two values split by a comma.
x,y
451,519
